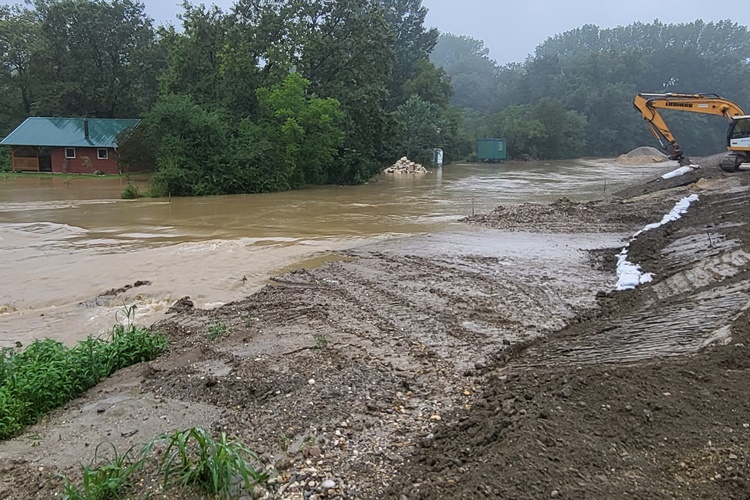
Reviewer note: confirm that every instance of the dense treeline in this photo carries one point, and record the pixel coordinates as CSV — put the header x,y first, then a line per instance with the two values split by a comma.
x,y
573,96
277,94
269,95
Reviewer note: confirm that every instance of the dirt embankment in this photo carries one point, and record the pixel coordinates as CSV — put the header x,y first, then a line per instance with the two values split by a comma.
x,y
482,364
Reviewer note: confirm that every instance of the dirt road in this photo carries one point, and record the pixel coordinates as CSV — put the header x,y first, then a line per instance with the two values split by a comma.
x,y
490,362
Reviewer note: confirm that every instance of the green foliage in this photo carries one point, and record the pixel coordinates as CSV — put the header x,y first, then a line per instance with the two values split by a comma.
x,y
194,457
5,159
108,477
99,58
303,129
293,142
267,96
221,466
421,127
130,192
190,142
431,84
596,73
47,374
472,72
547,130
216,331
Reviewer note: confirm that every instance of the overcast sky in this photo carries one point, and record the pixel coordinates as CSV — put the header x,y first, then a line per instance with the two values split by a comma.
x,y
512,30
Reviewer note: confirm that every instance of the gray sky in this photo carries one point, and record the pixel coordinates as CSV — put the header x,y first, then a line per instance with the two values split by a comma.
x,y
512,30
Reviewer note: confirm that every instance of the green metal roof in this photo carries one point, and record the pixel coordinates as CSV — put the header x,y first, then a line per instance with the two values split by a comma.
x,y
68,132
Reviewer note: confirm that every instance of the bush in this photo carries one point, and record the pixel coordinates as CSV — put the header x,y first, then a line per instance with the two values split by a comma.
x,y
130,192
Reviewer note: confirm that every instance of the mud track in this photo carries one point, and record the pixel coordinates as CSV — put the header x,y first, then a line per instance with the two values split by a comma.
x,y
486,363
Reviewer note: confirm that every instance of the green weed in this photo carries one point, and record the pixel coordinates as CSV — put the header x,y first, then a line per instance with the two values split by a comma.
x,y
106,478
48,374
216,331
321,341
220,466
284,443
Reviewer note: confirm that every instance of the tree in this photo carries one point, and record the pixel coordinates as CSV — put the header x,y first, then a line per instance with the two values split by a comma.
x,y
473,74
432,84
344,48
303,130
422,126
546,130
412,45
101,58
195,55
20,50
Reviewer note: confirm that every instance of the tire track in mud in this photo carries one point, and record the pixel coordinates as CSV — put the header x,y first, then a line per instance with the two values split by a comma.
x,y
672,330
702,286
429,310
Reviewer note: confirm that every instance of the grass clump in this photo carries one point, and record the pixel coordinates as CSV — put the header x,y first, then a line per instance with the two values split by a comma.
x,y
107,477
47,374
221,466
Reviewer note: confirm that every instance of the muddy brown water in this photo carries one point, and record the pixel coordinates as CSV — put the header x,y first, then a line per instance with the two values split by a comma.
x,y
66,241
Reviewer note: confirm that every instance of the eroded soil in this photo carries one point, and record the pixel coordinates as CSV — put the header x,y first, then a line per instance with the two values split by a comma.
x,y
492,362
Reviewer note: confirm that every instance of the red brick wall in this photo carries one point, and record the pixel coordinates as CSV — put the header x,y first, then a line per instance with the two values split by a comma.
x,y
79,164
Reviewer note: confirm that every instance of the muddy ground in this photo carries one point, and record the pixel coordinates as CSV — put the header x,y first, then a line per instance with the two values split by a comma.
x,y
493,362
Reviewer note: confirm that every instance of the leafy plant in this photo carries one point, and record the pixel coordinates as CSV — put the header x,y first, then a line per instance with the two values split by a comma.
x,y
130,192
194,457
216,331
48,374
105,479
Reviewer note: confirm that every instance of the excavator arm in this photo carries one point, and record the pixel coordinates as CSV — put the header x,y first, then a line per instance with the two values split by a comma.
x,y
710,104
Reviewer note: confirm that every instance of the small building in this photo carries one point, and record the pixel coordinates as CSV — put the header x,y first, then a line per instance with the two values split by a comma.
x,y
67,145
491,150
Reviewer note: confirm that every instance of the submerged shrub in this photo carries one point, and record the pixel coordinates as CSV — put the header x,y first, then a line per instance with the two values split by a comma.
x,y
130,192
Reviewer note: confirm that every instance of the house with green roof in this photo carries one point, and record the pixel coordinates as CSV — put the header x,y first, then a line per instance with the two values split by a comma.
x,y
67,145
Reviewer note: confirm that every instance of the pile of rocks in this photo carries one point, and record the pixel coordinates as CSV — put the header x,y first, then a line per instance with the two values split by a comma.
x,y
406,166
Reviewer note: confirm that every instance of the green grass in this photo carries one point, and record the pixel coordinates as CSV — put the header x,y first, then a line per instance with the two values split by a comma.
x,y
107,477
218,465
47,374
221,466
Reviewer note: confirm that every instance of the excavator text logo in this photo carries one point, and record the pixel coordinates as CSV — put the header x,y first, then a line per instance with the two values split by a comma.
x,y
680,104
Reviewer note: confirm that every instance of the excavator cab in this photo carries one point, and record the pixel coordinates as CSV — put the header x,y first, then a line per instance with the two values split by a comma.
x,y
739,132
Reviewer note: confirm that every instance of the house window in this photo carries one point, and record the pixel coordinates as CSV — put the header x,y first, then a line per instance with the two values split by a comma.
x,y
70,152
102,154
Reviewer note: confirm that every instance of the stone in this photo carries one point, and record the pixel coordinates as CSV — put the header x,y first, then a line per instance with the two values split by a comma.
x,y
566,391
328,484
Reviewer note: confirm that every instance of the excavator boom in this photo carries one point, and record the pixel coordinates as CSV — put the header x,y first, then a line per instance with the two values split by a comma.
x,y
738,137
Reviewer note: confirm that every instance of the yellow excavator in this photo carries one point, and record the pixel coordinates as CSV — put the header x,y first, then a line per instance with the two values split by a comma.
x,y
738,136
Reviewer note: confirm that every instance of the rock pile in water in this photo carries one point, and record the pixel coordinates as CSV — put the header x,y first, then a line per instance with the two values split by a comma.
x,y
406,166
642,156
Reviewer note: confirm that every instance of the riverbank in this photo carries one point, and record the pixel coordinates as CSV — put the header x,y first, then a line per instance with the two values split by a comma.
x,y
481,363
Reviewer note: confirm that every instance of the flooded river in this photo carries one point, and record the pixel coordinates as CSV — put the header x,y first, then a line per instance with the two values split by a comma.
x,y
66,241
